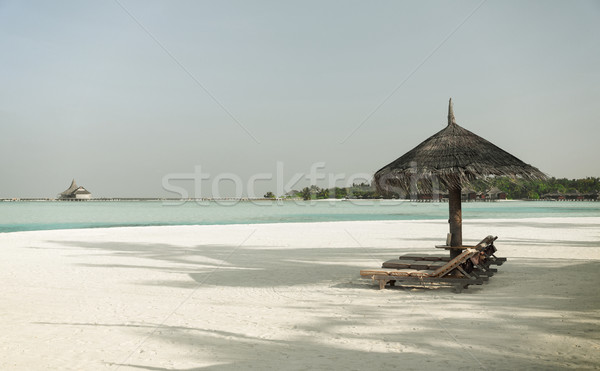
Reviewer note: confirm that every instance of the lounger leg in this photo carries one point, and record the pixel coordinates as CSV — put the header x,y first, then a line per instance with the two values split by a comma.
x,y
496,260
483,271
458,288
482,275
463,272
382,284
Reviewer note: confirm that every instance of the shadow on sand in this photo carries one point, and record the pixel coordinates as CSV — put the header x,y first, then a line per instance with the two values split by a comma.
x,y
518,320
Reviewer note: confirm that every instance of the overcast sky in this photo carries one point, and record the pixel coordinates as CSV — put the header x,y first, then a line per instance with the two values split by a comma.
x,y
120,94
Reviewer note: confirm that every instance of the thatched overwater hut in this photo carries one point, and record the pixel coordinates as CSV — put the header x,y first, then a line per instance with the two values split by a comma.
x,y
556,196
468,194
571,196
75,193
574,196
495,194
453,157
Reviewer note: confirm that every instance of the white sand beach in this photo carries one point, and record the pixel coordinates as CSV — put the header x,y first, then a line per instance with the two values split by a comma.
x,y
289,296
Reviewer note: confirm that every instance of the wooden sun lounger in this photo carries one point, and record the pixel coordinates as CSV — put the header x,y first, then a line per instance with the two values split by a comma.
x,y
426,257
419,264
455,273
490,260
486,247
413,264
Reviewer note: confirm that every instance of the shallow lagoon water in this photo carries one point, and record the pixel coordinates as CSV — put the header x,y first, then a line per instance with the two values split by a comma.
x,y
27,216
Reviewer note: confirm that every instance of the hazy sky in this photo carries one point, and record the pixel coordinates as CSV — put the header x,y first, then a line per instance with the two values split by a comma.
x,y
120,94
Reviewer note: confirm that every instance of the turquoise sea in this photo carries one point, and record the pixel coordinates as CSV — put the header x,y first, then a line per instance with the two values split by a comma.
x,y
28,216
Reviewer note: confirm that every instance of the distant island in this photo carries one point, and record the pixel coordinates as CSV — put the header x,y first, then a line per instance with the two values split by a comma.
x,y
499,188
563,189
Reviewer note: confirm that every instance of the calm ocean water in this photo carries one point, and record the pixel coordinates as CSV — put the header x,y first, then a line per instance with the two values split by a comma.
x,y
28,216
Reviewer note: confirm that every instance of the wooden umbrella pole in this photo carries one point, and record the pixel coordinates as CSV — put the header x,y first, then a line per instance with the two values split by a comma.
x,y
455,220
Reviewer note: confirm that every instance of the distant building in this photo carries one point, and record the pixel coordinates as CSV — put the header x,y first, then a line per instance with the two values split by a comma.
x,y
558,196
574,196
468,194
75,193
437,196
495,194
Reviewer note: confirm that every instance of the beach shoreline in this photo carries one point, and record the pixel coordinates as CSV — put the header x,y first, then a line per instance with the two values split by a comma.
x,y
289,296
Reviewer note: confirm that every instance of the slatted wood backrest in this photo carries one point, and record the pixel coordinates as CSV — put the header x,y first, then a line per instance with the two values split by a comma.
x,y
452,264
486,242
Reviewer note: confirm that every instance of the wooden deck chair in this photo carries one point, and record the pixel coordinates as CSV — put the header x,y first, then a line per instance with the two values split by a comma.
x,y
487,252
454,273
486,247
478,270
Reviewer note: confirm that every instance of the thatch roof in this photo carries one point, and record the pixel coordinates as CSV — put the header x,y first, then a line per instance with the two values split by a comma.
x,y
455,156
553,194
69,191
468,190
494,191
82,191
73,190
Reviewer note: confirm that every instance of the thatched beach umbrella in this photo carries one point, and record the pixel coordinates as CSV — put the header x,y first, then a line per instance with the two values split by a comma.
x,y
454,156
